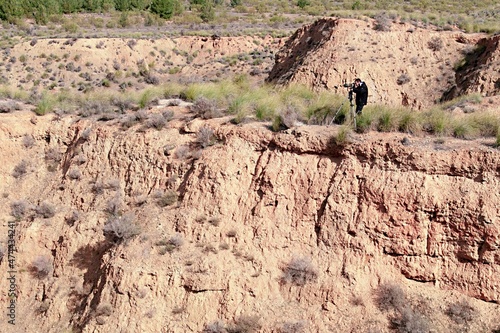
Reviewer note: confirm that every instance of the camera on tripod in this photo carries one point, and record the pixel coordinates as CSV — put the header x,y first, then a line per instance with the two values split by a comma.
x,y
348,85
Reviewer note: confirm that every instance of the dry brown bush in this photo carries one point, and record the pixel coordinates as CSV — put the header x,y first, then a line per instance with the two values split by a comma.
x,y
183,152
215,327
299,271
45,210
19,209
28,141
411,321
121,228
205,136
293,327
382,22
435,44
75,174
206,108
41,267
164,199
461,312
20,170
390,296
245,324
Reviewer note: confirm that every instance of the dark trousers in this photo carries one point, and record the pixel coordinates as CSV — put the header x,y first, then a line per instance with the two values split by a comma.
x,y
359,108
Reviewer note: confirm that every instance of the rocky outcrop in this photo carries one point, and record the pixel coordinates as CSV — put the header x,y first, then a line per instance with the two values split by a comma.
x,y
479,71
402,65
370,211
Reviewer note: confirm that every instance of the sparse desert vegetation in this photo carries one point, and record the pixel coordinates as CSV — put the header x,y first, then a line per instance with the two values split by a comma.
x,y
121,228
155,177
299,271
41,267
285,106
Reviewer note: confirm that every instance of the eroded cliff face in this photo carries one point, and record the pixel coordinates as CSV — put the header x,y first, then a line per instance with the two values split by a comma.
x,y
479,71
403,65
420,214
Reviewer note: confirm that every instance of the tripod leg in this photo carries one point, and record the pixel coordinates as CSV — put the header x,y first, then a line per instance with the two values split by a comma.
x,y
336,113
353,112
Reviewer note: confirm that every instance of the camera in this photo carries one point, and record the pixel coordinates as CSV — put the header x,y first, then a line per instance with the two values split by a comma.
x,y
348,85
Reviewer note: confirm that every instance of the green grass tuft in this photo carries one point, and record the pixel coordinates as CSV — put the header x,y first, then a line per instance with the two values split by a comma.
x,y
45,105
436,121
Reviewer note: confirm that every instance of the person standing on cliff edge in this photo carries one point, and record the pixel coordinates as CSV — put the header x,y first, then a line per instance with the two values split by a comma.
x,y
361,91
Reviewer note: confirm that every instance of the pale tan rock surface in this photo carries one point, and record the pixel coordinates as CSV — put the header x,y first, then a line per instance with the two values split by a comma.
x,y
406,65
424,215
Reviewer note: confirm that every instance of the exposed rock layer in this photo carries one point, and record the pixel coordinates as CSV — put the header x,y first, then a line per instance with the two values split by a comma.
x,y
373,210
406,65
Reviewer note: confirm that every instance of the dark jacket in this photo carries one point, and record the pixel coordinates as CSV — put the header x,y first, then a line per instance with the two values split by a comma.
x,y
361,94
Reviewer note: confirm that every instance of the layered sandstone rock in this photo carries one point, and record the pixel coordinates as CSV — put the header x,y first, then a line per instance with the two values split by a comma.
x,y
420,214
403,65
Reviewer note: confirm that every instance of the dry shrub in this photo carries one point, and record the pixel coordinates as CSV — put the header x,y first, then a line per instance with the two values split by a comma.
x,y
28,141
151,79
7,107
390,296
342,138
245,324
52,154
95,107
168,115
100,320
299,271
197,154
293,327
121,228
41,267
215,327
405,317
167,198
45,210
182,152
131,43
461,312
19,209
86,134
129,121
215,221
382,22
207,248
80,159
435,44
140,200
43,308
75,174
206,108
173,243
20,170
123,103
205,136
98,187
411,321
115,205
403,78
178,310
156,121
